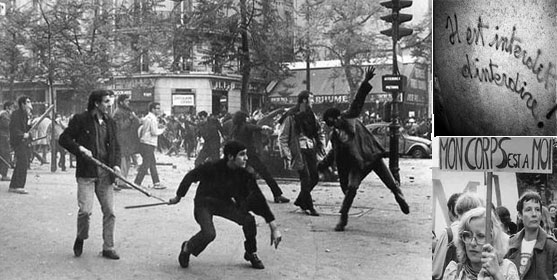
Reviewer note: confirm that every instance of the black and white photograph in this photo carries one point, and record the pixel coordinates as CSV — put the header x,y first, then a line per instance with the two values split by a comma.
x,y
494,67
233,139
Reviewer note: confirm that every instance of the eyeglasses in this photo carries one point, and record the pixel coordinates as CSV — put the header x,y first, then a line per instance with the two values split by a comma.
x,y
467,237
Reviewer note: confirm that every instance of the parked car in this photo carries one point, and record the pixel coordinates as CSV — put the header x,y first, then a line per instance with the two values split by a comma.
x,y
416,147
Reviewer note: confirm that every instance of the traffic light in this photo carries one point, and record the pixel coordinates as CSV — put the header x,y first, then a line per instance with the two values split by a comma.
x,y
396,18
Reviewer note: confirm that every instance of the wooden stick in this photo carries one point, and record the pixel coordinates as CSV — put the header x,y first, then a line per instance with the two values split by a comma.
x,y
488,207
6,162
146,205
133,185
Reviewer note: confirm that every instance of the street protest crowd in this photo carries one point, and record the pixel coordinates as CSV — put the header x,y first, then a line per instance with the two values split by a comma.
x,y
526,249
104,144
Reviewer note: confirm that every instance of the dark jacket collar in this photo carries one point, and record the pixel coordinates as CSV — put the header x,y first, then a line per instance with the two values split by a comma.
x,y
515,243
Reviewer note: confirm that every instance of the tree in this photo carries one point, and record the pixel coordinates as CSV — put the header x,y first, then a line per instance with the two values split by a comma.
x,y
347,31
16,64
250,32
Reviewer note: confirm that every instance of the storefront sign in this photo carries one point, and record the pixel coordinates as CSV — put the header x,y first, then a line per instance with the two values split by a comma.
x,y
508,154
183,100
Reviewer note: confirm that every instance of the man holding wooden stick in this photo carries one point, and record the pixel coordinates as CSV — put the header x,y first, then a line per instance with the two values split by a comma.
x,y
20,142
92,134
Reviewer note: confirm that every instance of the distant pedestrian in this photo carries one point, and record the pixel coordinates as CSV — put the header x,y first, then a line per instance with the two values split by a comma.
x,y
210,130
228,190
243,132
20,141
58,127
301,140
5,116
127,124
357,152
93,134
148,141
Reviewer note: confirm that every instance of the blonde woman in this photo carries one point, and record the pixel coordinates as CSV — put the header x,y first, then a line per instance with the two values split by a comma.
x,y
478,259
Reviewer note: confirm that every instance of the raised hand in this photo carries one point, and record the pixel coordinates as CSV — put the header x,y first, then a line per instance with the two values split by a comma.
x,y
370,73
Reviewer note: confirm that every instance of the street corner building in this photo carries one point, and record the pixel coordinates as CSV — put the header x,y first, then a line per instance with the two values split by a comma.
x,y
494,67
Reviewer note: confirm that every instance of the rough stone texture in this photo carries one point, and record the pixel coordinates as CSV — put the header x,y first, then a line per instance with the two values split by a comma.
x,y
493,103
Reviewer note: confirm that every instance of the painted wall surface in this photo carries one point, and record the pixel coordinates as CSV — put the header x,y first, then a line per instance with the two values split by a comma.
x,y
496,65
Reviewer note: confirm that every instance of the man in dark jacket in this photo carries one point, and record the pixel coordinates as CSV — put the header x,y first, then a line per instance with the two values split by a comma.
x,y
93,134
127,124
356,152
20,142
228,190
5,116
243,132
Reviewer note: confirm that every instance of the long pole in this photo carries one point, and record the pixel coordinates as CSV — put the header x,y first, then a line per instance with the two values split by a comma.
x,y
488,207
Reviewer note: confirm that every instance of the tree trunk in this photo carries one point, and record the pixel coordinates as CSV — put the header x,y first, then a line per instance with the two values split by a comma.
x,y
245,67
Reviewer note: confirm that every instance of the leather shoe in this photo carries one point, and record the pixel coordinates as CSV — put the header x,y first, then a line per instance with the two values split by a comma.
x,y
342,222
110,254
18,190
281,199
78,247
312,212
184,257
254,260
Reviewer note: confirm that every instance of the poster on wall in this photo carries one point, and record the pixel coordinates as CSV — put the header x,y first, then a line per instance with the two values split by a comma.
x,y
183,100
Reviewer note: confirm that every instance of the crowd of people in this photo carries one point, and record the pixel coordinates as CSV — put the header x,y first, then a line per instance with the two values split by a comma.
x,y
526,249
105,143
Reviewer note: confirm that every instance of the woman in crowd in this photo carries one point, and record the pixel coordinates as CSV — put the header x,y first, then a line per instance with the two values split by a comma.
x,y
478,259
532,250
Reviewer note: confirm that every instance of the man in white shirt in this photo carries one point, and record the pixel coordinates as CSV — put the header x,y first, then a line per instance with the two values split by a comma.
x,y
148,140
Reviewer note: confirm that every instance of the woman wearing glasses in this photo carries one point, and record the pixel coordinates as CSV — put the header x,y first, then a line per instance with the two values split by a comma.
x,y
532,250
477,258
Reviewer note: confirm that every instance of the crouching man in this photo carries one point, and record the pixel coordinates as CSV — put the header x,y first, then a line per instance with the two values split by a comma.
x,y
228,190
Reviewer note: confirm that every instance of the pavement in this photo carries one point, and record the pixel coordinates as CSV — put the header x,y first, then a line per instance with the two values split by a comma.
x,y
37,231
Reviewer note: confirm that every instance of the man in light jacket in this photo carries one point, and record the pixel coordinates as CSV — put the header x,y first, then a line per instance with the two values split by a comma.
x,y
148,140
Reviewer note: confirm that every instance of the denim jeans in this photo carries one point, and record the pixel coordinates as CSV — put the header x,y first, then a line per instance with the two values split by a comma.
x,y
203,214
86,189
149,162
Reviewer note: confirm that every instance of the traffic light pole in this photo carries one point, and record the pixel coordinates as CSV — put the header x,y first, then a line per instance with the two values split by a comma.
x,y
395,83
395,123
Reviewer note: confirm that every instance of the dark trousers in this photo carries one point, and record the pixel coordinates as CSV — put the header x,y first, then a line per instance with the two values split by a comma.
x,y
210,151
255,162
5,154
204,213
22,155
350,180
149,162
308,178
